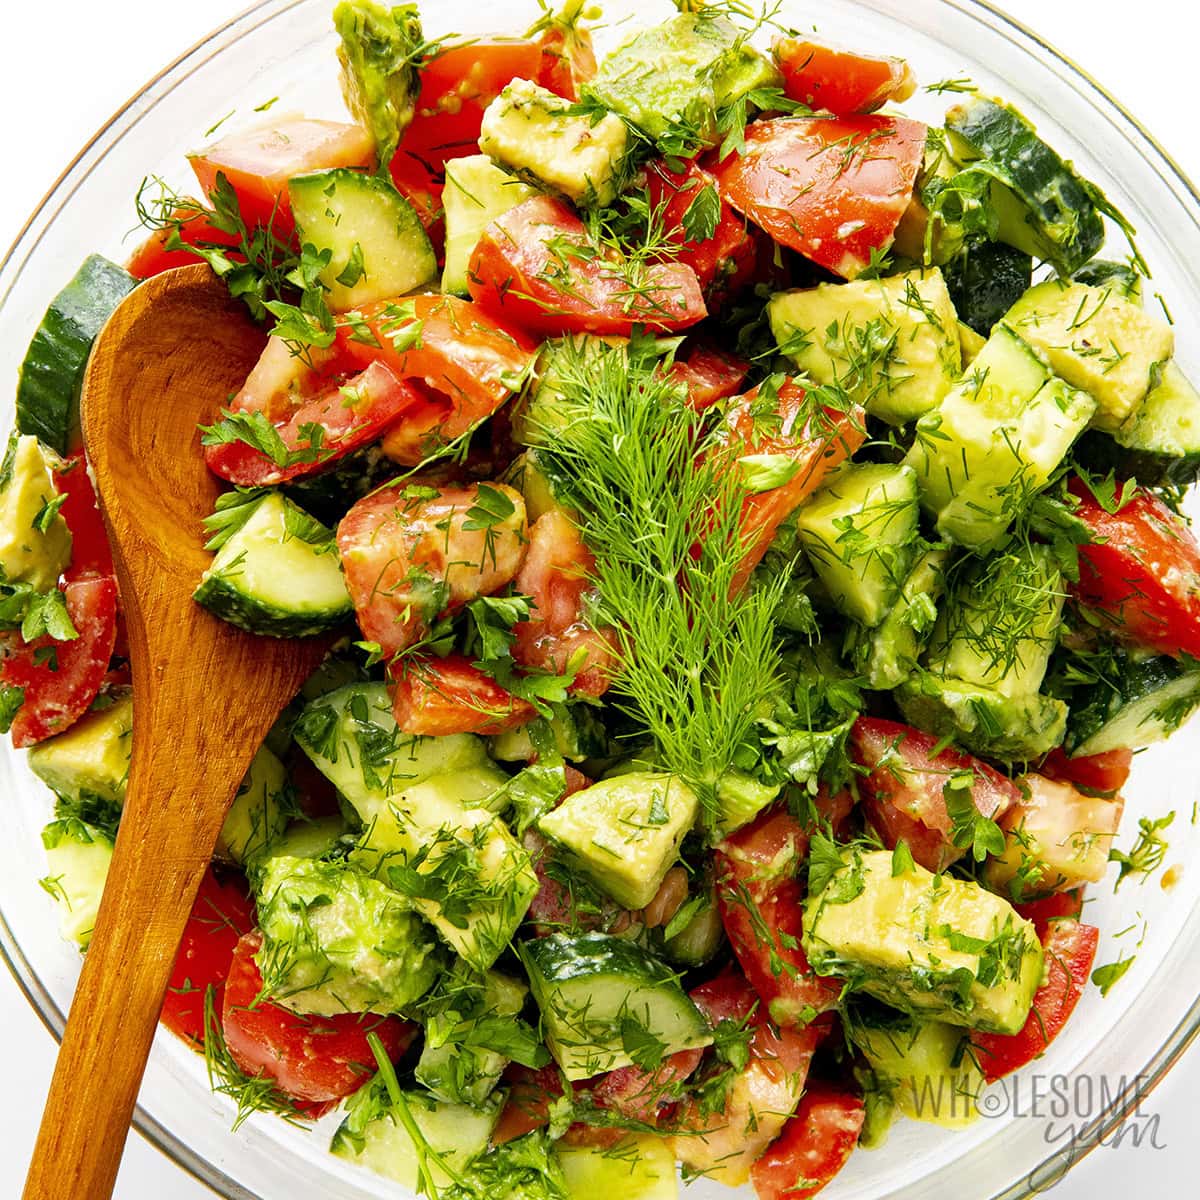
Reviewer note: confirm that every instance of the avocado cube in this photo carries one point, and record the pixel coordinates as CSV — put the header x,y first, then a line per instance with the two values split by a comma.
x,y
28,553
1097,340
858,530
995,440
931,944
624,833
541,138
1056,839
78,858
91,757
893,343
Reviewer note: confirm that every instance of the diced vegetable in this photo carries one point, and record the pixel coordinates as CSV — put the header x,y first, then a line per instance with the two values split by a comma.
x,y
35,543
77,858
985,281
438,697
840,81
92,757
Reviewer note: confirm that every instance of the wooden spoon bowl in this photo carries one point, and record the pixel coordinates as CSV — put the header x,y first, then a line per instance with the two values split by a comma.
x,y
204,693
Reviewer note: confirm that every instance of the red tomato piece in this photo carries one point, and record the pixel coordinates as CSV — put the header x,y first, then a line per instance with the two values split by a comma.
x,y
1070,949
568,56
152,257
61,679
530,1094
90,551
814,1146
832,188
259,162
840,81
440,696
709,375
1104,773
1141,572
644,1096
222,914
553,907
537,267
310,1058
556,574
1051,908
351,415
903,790
817,441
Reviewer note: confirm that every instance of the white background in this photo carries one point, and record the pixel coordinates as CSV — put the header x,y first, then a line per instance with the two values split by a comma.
x,y
69,64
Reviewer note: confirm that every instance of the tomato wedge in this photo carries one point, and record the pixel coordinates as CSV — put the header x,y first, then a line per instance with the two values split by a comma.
x,y
814,1146
531,1092
1070,949
222,914
1050,908
840,81
152,257
348,416
537,267
709,375
903,792
61,679
568,56
1141,571
259,162
832,188
90,551
814,440
641,1095
439,696
1103,773
310,1058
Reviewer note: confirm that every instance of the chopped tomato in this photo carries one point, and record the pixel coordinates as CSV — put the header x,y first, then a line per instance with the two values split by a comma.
x,y
709,375
1104,773
832,188
554,906
568,56
472,363
310,1058
90,551
903,791
640,1095
556,574
439,696
814,1146
1050,908
761,906
61,679
537,267
196,229
1141,572
1070,950
346,417
222,914
531,1092
259,162
840,81
411,552
816,440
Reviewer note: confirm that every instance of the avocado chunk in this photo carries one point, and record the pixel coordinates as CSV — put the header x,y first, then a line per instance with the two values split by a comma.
x,y
670,79
336,940
930,944
1010,728
538,420
858,530
35,543
576,734
892,343
624,833
306,838
638,1167
541,138
1056,839
995,440
91,757
1097,340
257,815
78,858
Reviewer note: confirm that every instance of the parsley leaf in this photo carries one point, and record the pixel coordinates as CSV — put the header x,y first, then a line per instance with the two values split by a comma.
x,y
702,214
1107,976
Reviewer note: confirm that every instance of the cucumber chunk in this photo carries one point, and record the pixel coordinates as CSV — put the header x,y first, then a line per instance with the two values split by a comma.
x,y
52,373
1103,273
78,858
277,575
601,996
1160,443
378,246
985,281
257,815
638,1167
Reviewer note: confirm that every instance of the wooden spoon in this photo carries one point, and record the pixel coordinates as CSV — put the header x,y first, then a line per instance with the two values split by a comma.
x,y
204,694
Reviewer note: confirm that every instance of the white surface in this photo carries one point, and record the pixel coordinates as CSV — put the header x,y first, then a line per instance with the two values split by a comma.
x,y
68,69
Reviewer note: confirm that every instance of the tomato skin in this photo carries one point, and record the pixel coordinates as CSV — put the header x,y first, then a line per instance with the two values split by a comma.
x,y
523,271
840,81
152,257
1070,950
709,375
531,1092
1104,773
568,58
834,189
814,1146
259,162
903,791
352,414
440,696
222,915
645,1096
59,690
1052,908
310,1058
90,551
1141,572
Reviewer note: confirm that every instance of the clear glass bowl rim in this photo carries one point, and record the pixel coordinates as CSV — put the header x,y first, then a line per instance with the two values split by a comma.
x,y
1054,1166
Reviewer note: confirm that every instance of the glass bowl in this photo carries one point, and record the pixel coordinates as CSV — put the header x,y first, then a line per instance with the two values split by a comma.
x,y
1114,1050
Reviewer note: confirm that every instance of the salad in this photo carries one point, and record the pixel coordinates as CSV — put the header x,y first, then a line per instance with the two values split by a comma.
x,y
750,520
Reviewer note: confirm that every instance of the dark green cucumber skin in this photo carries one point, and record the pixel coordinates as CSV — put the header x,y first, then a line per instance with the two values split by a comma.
x,y
1062,206
1100,453
215,594
1102,272
985,281
52,373
562,957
